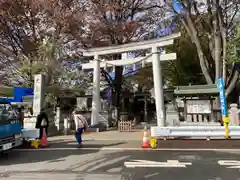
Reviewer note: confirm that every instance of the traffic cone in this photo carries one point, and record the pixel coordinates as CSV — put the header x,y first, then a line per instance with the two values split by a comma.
x,y
146,139
44,141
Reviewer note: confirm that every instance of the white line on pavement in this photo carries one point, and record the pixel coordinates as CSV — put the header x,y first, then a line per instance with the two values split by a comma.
x,y
106,163
151,175
125,149
230,163
146,163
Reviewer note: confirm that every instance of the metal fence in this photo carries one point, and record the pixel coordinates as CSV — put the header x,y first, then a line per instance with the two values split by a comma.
x,y
194,131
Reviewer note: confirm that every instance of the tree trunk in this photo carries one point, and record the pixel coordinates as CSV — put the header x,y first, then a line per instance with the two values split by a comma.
x,y
118,87
192,32
30,73
223,31
224,58
217,40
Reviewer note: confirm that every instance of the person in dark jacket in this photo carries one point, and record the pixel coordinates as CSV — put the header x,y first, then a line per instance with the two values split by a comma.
x,y
42,122
21,116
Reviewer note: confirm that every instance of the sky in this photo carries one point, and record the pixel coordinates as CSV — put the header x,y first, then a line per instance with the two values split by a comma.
x,y
177,6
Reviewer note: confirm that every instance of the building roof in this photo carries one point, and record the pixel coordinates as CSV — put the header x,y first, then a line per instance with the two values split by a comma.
x,y
196,90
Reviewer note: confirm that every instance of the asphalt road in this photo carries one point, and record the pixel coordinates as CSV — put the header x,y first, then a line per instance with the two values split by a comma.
x,y
97,164
200,144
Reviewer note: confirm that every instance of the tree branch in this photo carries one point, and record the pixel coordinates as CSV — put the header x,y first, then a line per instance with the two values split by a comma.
x,y
232,83
196,41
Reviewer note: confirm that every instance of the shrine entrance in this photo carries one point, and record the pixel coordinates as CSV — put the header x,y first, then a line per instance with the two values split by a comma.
x,y
155,58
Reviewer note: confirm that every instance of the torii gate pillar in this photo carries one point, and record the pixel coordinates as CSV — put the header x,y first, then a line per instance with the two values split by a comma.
x,y
158,86
96,91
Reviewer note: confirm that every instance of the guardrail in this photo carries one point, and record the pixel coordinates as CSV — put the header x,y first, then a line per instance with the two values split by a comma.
x,y
194,131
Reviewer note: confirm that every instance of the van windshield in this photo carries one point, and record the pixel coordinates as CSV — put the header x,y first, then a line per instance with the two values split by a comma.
x,y
8,112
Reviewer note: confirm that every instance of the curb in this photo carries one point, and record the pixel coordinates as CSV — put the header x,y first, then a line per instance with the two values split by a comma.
x,y
131,149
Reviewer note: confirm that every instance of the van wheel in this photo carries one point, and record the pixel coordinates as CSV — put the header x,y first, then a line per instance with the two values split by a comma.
x,y
3,153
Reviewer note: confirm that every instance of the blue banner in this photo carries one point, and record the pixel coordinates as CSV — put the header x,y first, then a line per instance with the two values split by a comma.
x,y
222,97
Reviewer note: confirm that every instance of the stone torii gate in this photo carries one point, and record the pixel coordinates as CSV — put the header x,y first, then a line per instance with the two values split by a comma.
x,y
154,57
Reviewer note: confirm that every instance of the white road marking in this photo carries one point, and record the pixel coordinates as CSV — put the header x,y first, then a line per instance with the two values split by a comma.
x,y
151,175
231,164
115,170
127,149
106,163
145,163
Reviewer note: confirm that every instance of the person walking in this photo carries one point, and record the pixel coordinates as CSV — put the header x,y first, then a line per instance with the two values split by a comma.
x,y
81,125
42,122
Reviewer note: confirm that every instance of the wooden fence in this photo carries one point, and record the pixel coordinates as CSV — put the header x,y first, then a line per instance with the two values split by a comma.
x,y
125,126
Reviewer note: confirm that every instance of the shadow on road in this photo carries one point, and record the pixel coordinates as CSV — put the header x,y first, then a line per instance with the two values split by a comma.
x,y
52,164
56,152
86,144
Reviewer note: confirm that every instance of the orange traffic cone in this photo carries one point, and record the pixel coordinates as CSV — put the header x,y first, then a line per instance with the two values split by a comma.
x,y
146,139
44,141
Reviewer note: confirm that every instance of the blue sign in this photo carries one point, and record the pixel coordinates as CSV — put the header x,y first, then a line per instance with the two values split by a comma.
x,y
222,97
19,93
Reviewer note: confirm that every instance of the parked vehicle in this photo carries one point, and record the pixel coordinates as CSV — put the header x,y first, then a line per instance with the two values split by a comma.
x,y
10,126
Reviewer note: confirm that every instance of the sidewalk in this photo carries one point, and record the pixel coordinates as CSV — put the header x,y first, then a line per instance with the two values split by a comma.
x,y
104,136
98,140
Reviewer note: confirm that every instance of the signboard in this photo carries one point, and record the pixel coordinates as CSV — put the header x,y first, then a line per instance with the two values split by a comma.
x,y
198,106
38,94
222,97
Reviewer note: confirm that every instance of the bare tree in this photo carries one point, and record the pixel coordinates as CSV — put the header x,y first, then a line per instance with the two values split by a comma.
x,y
210,25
